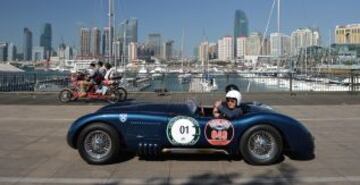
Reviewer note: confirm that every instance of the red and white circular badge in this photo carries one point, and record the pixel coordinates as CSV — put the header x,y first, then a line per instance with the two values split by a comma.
x,y
219,132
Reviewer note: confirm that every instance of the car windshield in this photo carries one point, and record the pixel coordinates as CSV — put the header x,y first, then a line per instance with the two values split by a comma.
x,y
192,105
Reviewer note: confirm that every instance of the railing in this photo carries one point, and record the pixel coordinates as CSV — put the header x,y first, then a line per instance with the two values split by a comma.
x,y
216,82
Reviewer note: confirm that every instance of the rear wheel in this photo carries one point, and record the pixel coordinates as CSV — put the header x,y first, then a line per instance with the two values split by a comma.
x,y
261,145
65,96
113,96
99,143
123,93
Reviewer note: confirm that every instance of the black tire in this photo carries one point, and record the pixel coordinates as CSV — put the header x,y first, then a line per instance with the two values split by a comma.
x,y
113,96
123,93
66,96
263,133
110,156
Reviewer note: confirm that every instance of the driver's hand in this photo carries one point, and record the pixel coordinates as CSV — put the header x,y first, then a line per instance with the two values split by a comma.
x,y
216,113
217,104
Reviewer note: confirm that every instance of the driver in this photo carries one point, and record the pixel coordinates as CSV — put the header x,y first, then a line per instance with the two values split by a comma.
x,y
229,109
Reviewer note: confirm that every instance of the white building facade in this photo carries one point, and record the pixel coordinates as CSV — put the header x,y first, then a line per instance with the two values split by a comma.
x,y
225,49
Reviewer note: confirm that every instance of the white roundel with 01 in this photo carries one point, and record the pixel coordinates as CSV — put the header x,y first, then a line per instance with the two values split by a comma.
x,y
183,130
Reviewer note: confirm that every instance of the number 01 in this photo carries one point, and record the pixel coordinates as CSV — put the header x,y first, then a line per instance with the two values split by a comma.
x,y
184,129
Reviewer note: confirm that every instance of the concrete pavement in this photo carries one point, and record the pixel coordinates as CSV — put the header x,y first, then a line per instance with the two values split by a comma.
x,y
33,150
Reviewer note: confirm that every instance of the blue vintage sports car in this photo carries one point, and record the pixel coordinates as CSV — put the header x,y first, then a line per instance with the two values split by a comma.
x,y
261,136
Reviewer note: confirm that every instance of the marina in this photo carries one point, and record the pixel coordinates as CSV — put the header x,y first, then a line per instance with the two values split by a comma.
x,y
152,78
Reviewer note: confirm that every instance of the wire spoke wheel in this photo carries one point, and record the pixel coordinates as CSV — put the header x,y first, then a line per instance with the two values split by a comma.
x,y
262,145
97,144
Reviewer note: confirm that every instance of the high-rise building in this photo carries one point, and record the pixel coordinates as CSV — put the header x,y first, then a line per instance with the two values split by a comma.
x,y
241,27
3,52
154,44
61,51
303,38
240,47
85,42
132,51
12,52
96,41
280,44
38,54
105,41
69,54
128,33
225,48
27,44
213,51
168,50
46,38
347,34
129,28
204,51
253,44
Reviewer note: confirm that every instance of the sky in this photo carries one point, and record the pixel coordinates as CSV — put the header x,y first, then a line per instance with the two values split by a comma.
x,y
212,18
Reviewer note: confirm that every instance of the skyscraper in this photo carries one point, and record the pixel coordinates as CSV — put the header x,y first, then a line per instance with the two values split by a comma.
x,y
303,38
27,44
213,51
225,48
12,52
105,42
154,44
96,41
241,27
3,51
204,52
132,51
128,29
85,42
168,50
280,44
240,47
253,44
45,39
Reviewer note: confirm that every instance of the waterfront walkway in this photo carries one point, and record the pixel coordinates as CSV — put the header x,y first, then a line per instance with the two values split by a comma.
x,y
340,98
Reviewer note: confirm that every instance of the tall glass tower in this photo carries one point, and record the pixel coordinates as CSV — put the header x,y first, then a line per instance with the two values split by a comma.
x,y
27,44
128,29
241,26
45,39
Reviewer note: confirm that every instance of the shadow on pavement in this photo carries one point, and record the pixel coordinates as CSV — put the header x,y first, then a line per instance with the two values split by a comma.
x,y
286,175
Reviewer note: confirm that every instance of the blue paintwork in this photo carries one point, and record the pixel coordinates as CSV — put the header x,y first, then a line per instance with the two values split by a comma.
x,y
146,124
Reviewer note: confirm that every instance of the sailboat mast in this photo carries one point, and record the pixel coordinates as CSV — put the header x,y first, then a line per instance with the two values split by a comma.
x,y
110,29
182,50
279,14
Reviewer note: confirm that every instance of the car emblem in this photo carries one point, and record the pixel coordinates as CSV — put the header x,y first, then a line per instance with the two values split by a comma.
x,y
123,118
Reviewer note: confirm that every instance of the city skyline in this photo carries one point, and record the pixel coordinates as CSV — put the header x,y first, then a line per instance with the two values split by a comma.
x,y
168,18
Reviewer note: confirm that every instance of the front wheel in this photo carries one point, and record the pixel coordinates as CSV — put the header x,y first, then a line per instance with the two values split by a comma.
x,y
123,93
99,143
261,145
65,96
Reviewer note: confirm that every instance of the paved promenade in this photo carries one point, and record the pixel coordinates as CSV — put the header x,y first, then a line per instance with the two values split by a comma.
x,y
33,148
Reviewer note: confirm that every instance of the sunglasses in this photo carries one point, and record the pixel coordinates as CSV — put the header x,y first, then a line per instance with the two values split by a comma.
x,y
231,100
